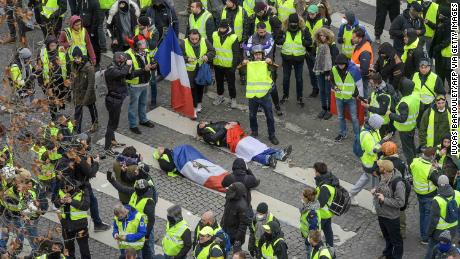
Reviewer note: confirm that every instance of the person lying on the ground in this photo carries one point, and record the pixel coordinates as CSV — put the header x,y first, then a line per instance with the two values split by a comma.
x,y
231,135
188,162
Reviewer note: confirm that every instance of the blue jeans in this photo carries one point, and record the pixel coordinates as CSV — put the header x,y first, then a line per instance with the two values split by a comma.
x,y
298,68
153,89
137,105
324,91
264,157
17,225
308,248
351,104
424,208
148,251
266,104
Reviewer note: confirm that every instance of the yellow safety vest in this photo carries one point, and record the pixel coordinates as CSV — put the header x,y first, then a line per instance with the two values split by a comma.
x,y
305,226
44,169
200,23
191,66
248,6
16,76
375,103
39,150
138,205
130,228
268,251
106,4
76,39
130,52
268,26
75,214
237,23
145,3
432,16
49,7
318,24
324,212
421,169
413,101
426,90
45,256
172,242
224,52
253,226
293,47
165,157
346,88
323,251
16,196
45,61
413,45
213,132
284,9
259,81
430,128
347,45
369,140
204,253
447,51
442,224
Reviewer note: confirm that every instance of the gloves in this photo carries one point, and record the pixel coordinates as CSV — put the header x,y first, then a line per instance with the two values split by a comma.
x,y
109,176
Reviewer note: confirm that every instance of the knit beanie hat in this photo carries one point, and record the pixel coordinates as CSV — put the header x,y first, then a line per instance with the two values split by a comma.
x,y
445,236
341,59
260,6
24,53
443,180
262,208
293,18
375,121
76,52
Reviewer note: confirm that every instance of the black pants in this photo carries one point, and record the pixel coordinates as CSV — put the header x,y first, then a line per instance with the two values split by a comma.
x,y
442,72
79,115
51,27
94,38
222,74
113,106
408,145
197,94
393,241
384,7
274,91
82,240
326,226
73,7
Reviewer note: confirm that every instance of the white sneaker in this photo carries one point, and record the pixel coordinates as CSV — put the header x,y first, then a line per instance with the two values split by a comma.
x,y
233,104
354,202
219,100
198,107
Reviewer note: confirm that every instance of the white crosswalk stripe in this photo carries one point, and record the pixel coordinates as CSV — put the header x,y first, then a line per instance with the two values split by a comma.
x,y
284,212
374,3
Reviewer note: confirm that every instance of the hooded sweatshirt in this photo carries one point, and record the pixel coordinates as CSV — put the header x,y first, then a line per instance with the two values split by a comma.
x,y
324,194
63,41
241,173
121,23
445,191
235,219
394,200
400,24
389,66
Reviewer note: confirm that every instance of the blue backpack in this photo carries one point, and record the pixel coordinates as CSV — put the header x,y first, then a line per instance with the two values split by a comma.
x,y
204,75
357,149
451,210
224,244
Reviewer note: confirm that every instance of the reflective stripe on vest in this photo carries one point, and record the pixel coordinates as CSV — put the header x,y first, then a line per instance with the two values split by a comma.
x,y
76,39
16,76
421,169
432,16
284,9
426,90
75,214
357,52
293,47
130,52
430,128
248,6
413,102
237,23
172,242
413,45
106,4
347,45
259,81
127,228
49,7
138,205
45,61
268,26
375,103
200,23
189,52
318,24
368,158
268,251
346,88
324,212
205,252
447,51
224,53
442,224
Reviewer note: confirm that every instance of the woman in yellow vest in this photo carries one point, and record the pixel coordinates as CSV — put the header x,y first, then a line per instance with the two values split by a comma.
x,y
129,229
310,218
272,244
197,50
76,35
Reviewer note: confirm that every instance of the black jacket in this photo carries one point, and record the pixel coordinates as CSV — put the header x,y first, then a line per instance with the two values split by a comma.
x,y
116,29
235,219
88,10
84,171
274,21
445,192
163,15
243,175
389,66
218,137
324,194
210,25
165,165
407,86
115,77
414,56
62,10
74,225
280,249
400,24
231,14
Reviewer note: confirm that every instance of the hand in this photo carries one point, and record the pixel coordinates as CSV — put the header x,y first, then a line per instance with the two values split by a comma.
x,y
364,104
245,62
380,197
129,62
443,151
205,58
190,59
388,112
115,41
372,190
109,176
269,61
67,200
97,159
122,238
147,67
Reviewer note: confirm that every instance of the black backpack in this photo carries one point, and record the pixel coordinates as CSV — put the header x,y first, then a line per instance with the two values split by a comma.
x,y
341,201
451,210
407,188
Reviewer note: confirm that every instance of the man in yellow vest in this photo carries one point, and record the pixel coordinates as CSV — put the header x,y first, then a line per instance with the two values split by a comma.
x,y
129,229
208,219
264,13
413,53
430,17
262,217
207,248
444,213
404,117
425,175
73,203
178,239
258,88
272,243
428,85
435,123
345,34
21,75
238,19
201,20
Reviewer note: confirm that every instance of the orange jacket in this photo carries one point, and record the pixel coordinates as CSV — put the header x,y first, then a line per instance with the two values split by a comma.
x,y
357,52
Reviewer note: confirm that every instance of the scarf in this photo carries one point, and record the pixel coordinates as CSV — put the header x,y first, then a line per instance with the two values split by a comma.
x,y
125,20
323,61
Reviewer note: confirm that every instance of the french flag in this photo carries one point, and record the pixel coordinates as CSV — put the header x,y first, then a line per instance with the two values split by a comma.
x,y
172,67
197,168
245,147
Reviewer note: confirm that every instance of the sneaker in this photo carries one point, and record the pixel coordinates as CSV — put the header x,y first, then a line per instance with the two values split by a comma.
x,y
101,227
254,134
135,130
274,140
287,151
219,100
198,108
327,115
300,102
272,162
111,152
314,93
285,99
353,201
321,114
377,40
148,124
117,144
339,138
424,242
233,104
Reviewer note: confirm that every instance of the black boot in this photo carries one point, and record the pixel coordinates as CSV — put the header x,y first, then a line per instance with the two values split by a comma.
x,y
314,92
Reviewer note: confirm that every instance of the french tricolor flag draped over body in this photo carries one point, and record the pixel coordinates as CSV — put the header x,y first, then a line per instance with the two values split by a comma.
x,y
244,146
172,67
197,168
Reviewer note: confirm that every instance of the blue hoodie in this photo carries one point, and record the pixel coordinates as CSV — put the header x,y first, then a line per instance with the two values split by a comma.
x,y
141,229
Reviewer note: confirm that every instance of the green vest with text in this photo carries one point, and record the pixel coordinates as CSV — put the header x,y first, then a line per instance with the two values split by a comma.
x,y
259,80
172,242
413,102
224,52
421,169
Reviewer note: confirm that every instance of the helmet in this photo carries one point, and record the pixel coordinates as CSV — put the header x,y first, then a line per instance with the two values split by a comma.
x,y
257,49
389,148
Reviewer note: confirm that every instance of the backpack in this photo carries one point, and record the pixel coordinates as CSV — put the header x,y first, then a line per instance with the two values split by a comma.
x,y
341,201
204,75
394,95
407,188
451,210
224,244
357,149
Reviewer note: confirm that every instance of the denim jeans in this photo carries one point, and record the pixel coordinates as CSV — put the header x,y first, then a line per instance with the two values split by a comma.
x,y
153,89
424,208
148,251
310,60
324,91
298,68
308,248
17,225
351,104
137,105
266,104
264,157
94,207
362,182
